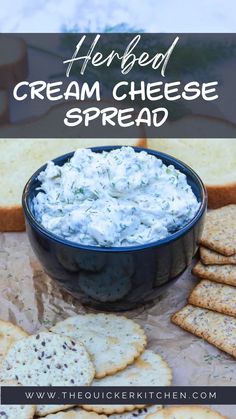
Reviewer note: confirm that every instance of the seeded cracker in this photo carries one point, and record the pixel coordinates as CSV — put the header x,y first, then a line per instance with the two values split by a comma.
x,y
216,297
158,415
48,359
105,286
215,328
210,257
137,413
187,412
15,411
76,414
113,342
9,334
220,230
148,370
225,274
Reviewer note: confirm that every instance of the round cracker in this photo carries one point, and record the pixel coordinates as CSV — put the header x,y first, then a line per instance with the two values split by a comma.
x,y
9,334
137,413
44,409
76,414
186,412
15,411
47,359
112,283
148,370
79,413
75,262
87,262
105,286
157,415
113,342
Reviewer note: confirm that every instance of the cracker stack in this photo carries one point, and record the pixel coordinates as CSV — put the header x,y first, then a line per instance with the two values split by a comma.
x,y
211,312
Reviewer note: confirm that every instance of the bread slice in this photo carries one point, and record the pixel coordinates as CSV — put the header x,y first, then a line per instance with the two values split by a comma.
x,y
20,158
13,60
213,159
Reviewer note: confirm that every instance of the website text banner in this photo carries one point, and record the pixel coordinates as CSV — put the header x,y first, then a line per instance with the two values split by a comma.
x,y
118,395
119,85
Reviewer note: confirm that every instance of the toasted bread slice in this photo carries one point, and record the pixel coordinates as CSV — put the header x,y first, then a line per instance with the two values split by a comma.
x,y
213,159
20,158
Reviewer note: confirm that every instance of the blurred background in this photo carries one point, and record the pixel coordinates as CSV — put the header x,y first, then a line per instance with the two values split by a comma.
x,y
118,16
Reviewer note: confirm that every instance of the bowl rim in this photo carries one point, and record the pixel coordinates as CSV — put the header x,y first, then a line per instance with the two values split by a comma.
x,y
124,249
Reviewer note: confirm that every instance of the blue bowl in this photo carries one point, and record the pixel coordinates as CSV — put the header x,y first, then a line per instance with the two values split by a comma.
x,y
117,278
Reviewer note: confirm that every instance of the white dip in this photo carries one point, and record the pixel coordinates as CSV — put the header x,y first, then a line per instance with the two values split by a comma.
x,y
117,198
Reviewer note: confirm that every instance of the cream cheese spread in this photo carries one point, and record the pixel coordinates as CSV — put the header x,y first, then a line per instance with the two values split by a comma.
x,y
116,198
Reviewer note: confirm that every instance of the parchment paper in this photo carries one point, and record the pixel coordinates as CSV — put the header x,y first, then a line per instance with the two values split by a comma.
x,y
29,298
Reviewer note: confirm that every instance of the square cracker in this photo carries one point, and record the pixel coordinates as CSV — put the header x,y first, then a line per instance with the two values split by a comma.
x,y
216,297
217,329
219,232
225,274
210,257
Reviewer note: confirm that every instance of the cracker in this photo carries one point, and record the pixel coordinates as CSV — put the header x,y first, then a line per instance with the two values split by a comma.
x,y
179,318
76,414
113,342
225,274
187,412
210,257
105,286
9,334
43,409
76,262
48,359
157,415
219,232
137,413
15,411
148,370
217,329
214,296
79,413
109,284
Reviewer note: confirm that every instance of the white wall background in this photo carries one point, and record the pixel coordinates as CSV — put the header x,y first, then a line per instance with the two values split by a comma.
x,y
95,15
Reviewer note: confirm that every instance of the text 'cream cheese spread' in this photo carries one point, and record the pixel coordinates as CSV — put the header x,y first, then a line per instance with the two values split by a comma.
x,y
116,198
